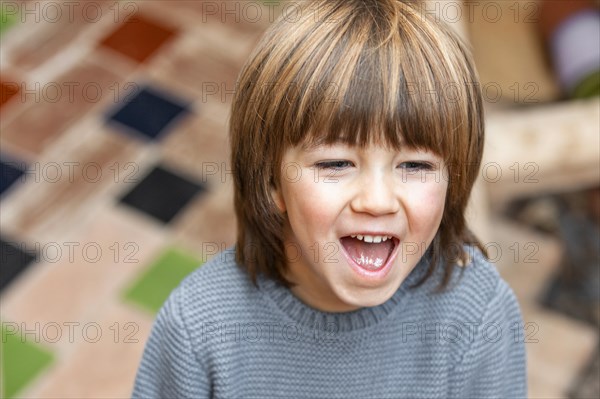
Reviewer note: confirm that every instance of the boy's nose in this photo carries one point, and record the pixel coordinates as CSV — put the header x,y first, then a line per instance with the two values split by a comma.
x,y
376,195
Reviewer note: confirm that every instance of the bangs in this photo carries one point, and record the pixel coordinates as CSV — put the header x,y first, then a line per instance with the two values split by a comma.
x,y
358,72
370,74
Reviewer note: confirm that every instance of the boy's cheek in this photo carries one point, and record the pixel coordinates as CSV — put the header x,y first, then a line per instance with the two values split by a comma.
x,y
427,197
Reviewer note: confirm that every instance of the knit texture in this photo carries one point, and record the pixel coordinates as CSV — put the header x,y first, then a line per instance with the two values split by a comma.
x,y
218,336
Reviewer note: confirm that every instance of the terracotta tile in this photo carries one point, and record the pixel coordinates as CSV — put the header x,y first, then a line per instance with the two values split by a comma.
x,y
116,356
244,16
212,78
56,189
208,225
200,146
55,26
78,273
54,106
138,38
8,89
199,60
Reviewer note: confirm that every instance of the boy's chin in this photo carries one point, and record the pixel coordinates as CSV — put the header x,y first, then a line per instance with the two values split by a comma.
x,y
367,297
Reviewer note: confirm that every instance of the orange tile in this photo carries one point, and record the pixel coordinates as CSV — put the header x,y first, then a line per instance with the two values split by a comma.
x,y
8,89
54,106
138,38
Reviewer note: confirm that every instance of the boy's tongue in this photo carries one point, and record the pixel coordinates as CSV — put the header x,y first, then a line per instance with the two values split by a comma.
x,y
369,256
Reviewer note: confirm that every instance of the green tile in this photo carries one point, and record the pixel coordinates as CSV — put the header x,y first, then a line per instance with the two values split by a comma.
x,y
22,361
161,277
7,16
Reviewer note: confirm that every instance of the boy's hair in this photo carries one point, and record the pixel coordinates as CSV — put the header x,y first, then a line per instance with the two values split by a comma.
x,y
353,71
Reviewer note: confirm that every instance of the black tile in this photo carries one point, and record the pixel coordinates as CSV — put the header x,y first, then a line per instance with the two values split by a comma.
x,y
10,172
149,112
14,258
162,194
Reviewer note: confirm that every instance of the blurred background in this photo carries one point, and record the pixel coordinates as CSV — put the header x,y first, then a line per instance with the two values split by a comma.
x,y
115,181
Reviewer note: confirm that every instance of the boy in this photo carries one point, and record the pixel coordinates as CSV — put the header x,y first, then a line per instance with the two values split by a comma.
x,y
356,137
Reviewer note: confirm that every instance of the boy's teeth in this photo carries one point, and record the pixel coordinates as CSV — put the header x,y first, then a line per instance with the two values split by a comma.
x,y
373,239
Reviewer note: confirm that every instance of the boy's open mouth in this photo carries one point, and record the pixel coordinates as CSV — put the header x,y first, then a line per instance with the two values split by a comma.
x,y
370,252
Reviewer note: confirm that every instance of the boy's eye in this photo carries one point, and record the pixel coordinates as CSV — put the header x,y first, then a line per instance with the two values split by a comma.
x,y
338,164
416,166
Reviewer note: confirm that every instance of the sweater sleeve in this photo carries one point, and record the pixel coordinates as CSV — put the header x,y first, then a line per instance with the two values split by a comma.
x,y
169,366
494,365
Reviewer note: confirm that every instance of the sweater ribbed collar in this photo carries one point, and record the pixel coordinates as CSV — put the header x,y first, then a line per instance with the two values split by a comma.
x,y
359,319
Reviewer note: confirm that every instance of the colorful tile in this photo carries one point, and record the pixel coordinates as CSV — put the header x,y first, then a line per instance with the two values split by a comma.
x,y
149,112
15,259
22,360
10,172
8,89
211,76
246,17
57,191
208,225
49,29
54,106
162,194
138,38
109,250
199,145
116,357
8,17
155,285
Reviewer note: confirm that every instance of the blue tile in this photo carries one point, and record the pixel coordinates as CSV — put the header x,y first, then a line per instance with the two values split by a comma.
x,y
10,172
162,194
149,112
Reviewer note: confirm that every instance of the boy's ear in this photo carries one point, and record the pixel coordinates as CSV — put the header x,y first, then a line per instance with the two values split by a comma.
x,y
278,198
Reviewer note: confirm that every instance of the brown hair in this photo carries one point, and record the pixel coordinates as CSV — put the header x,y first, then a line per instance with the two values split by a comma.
x,y
353,71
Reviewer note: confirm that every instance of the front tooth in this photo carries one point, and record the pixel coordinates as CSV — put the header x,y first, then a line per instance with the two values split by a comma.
x,y
368,238
377,239
359,237
353,236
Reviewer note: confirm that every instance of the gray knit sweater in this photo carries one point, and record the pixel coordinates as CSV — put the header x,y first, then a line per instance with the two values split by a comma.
x,y
218,336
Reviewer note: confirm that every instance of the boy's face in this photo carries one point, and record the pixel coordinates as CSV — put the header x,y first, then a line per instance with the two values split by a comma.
x,y
338,198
